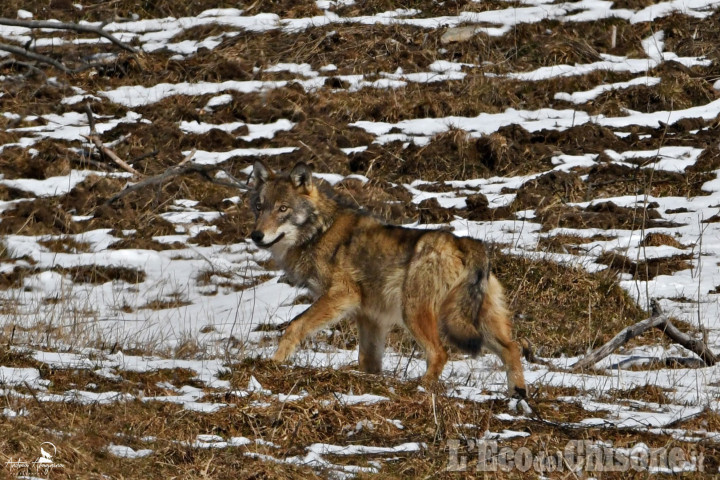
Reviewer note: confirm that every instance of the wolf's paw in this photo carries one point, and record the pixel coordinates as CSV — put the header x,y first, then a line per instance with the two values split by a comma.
x,y
279,357
520,405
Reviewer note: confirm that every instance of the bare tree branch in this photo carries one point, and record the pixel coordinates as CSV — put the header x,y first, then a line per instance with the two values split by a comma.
x,y
698,347
658,320
91,118
36,56
617,341
185,166
67,26
103,148
112,155
29,66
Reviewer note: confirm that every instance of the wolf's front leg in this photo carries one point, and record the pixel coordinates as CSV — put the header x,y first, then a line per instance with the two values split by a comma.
x,y
372,335
329,308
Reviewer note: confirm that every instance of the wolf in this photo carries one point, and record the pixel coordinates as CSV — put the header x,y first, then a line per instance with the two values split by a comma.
x,y
437,285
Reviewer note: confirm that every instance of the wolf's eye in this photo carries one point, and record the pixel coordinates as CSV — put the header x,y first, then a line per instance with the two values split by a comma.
x,y
283,208
258,206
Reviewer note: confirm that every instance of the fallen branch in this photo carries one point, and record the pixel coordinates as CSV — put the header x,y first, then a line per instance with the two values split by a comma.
x,y
184,167
659,320
112,155
67,26
36,56
103,148
12,62
698,347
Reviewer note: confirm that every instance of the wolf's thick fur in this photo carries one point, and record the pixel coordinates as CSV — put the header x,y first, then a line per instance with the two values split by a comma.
x,y
434,283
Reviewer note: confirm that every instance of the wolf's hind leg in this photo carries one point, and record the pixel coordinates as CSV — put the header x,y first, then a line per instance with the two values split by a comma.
x,y
329,308
496,332
372,335
422,323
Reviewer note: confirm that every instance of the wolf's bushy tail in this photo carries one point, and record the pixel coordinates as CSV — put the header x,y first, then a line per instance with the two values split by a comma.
x,y
476,293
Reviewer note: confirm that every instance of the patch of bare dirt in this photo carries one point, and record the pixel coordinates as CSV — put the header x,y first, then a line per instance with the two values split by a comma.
x,y
569,243
603,181
604,215
555,187
645,270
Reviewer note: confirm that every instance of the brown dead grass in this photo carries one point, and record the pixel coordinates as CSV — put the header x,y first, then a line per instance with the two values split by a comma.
x,y
564,243
64,245
41,216
101,11
602,181
658,239
645,270
563,310
430,417
98,274
604,215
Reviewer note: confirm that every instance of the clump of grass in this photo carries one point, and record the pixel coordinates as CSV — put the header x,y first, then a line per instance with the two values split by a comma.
x,y
6,254
565,243
656,239
646,269
165,303
563,310
64,244
101,274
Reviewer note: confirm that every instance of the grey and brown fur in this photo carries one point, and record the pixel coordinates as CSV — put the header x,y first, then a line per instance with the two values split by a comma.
x,y
435,284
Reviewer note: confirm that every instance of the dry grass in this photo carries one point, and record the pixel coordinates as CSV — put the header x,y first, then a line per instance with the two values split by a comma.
x,y
564,310
170,431
561,310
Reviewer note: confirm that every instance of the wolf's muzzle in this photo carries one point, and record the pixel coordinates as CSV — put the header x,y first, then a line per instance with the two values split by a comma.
x,y
257,237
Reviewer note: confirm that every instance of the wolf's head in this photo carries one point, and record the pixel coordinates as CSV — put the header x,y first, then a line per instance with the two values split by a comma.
x,y
286,207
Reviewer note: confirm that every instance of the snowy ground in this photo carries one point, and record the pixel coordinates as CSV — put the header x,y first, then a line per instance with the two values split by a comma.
x,y
220,298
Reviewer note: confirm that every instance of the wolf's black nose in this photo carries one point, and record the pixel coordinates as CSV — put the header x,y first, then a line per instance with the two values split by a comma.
x,y
257,236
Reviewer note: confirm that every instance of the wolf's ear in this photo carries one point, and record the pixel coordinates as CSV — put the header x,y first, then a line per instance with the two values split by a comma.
x,y
261,173
301,176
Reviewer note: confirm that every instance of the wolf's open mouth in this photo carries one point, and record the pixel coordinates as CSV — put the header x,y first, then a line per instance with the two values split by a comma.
x,y
270,244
